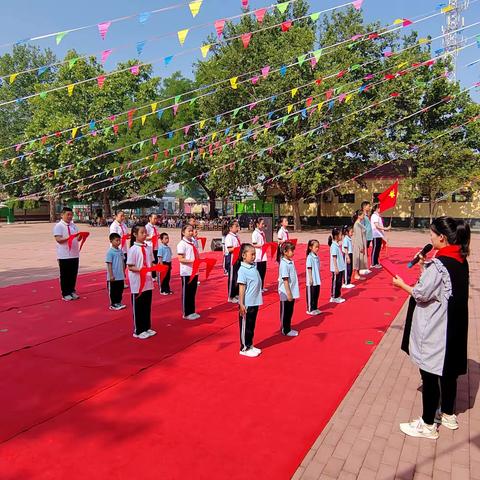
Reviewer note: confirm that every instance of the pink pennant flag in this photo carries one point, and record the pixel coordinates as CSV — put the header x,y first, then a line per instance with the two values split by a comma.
x,y
313,62
265,71
245,3
387,54
286,26
368,77
255,119
18,147
219,25
101,81
255,79
260,14
186,129
341,97
154,140
175,109
246,39
328,94
356,37
357,4
268,125
105,55
406,22
252,106
112,118
135,70
103,28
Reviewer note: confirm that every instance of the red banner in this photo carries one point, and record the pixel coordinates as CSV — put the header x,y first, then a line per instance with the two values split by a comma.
x,y
209,262
272,246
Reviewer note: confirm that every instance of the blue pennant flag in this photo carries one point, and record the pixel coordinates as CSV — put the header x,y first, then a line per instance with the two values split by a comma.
x,y
170,134
227,130
143,17
168,59
160,113
141,46
42,70
218,118
283,70
92,125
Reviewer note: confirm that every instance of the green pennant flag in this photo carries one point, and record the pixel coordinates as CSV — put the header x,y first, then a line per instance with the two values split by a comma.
x,y
72,62
350,45
301,60
43,94
193,100
355,67
282,7
284,119
177,99
235,112
315,16
311,133
141,144
59,37
107,130
295,119
240,127
317,54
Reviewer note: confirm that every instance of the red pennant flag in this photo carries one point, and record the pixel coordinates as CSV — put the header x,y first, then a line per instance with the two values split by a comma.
x,y
286,26
125,238
246,39
209,262
260,14
115,129
82,236
101,81
130,117
44,139
394,94
389,76
388,198
293,240
219,25
203,241
373,36
341,73
309,101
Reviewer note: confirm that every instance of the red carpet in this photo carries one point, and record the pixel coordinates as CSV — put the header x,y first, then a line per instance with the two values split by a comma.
x,y
83,399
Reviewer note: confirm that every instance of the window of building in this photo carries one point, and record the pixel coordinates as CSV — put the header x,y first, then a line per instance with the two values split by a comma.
x,y
423,199
346,198
462,196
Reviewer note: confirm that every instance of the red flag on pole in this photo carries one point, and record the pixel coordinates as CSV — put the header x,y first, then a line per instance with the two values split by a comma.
x,y
388,199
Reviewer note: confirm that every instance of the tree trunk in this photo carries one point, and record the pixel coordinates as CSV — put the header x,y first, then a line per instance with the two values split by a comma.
x,y
52,211
224,207
213,211
412,213
319,210
297,226
107,208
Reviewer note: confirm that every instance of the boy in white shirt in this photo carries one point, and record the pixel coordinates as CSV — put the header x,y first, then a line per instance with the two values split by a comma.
x,y
67,256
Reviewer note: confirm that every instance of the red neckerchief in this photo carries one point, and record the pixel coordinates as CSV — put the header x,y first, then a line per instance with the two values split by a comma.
x,y
144,254
236,238
195,251
263,235
286,234
451,251
154,238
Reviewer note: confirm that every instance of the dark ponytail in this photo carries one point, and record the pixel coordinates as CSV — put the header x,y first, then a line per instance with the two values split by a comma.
x,y
356,215
310,245
243,248
133,233
457,232
335,233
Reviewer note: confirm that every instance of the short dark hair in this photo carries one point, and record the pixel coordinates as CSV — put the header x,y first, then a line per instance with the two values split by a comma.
x,y
66,209
113,236
364,204
163,235
287,246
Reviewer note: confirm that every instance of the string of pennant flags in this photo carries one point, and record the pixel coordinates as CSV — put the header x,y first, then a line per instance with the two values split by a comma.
x,y
135,69
140,45
148,169
312,56
342,97
138,197
103,27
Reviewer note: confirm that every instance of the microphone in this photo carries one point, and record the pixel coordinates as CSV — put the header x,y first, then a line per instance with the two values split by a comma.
x,y
424,252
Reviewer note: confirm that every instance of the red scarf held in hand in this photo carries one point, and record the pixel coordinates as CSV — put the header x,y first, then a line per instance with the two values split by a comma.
x,y
210,263
203,241
125,237
451,251
272,246
82,236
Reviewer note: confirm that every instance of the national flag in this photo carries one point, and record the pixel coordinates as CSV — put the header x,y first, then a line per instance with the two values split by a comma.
x,y
388,198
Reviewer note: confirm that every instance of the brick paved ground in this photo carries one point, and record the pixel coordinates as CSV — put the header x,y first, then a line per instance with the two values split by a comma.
x,y
363,440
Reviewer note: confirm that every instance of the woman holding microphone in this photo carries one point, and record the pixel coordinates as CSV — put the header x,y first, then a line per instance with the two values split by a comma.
x,y
436,329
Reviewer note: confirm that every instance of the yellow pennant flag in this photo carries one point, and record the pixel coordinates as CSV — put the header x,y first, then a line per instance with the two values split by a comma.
x,y
195,7
214,136
182,35
203,155
238,136
13,76
447,9
289,108
74,132
144,118
398,21
294,91
319,106
421,41
153,106
205,49
233,82
70,89
348,98
202,123
403,64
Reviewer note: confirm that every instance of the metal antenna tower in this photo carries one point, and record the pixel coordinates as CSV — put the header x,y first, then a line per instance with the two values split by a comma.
x,y
452,30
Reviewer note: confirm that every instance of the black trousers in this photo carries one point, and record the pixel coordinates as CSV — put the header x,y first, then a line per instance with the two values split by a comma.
x,y
348,269
232,279
313,292
165,285
337,284
115,291
142,311
226,263
368,244
68,275
189,290
247,327
262,270
437,392
155,262
286,314
377,246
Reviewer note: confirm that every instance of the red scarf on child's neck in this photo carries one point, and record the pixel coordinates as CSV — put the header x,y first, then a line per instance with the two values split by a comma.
x,y
452,251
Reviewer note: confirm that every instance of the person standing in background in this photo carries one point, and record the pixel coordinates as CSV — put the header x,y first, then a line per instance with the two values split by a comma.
x,y
258,241
119,226
378,231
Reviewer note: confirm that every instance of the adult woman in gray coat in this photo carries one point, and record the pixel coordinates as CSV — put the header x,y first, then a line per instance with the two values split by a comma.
x,y
436,329
359,244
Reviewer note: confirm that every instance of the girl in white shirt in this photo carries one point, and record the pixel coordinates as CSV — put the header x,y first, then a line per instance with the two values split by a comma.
x,y
139,256
119,226
282,236
187,254
258,241
378,235
231,243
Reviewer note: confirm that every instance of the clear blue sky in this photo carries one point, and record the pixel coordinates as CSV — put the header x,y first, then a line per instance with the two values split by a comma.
x,y
25,18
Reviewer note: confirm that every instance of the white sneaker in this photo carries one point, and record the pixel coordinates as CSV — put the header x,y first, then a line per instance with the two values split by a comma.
x,y
233,300
192,316
317,312
332,300
418,428
114,307
121,306
348,285
255,349
142,336
164,293
292,333
449,421
311,313
74,296
67,298
249,353
151,332
365,272
339,300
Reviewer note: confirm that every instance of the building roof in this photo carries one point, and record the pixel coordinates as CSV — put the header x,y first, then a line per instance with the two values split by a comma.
x,y
391,170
